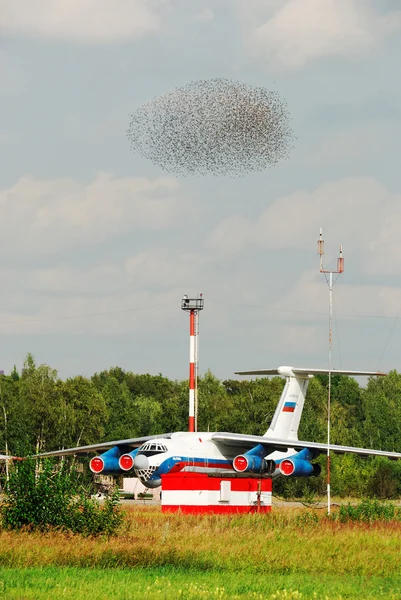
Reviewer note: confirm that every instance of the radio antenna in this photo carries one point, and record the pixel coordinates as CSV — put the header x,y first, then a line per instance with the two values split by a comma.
x,y
329,279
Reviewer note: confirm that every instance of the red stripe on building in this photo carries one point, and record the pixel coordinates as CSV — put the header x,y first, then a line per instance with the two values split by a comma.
x,y
214,509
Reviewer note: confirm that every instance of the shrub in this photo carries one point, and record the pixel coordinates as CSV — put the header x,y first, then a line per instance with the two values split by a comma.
x,y
88,518
38,496
367,511
384,481
306,519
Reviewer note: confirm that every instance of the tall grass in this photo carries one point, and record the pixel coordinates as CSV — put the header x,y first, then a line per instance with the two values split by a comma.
x,y
279,543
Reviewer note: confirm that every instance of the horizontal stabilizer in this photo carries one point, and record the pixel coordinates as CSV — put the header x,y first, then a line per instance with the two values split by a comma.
x,y
294,371
259,372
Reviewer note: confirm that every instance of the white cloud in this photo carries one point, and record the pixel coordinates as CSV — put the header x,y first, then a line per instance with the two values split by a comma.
x,y
77,313
362,141
359,299
10,81
341,206
244,264
101,298
99,280
363,324
358,212
231,236
164,268
112,297
93,21
46,216
205,15
297,31
299,338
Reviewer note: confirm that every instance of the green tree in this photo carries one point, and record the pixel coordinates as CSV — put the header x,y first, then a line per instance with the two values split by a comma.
x,y
174,407
148,415
40,400
121,423
213,403
381,408
314,417
84,412
122,390
12,426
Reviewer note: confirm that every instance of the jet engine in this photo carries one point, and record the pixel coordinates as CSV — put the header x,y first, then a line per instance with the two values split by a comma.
x,y
107,463
126,461
250,463
299,467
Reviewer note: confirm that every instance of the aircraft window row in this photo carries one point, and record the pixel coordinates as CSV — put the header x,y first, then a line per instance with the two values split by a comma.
x,y
153,447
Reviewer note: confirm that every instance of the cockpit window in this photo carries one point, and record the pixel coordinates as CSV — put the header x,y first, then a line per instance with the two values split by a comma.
x,y
152,448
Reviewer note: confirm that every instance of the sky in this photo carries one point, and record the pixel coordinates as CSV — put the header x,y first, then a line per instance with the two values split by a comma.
x,y
98,245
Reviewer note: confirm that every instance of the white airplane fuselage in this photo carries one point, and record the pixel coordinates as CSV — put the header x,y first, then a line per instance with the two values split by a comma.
x,y
187,451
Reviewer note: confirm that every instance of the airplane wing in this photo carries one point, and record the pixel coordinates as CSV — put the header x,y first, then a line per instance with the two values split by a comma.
x,y
234,439
126,444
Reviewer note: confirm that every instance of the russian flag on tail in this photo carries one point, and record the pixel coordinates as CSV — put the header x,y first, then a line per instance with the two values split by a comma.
x,y
289,406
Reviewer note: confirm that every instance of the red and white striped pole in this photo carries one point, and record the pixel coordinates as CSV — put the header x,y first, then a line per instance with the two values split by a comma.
x,y
191,419
193,306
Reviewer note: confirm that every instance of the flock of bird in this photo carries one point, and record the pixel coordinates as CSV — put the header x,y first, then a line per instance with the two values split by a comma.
x,y
213,127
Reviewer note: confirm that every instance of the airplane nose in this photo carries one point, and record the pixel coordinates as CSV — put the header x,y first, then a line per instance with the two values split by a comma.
x,y
141,462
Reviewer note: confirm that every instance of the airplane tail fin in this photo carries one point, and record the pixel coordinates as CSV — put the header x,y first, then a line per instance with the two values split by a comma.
x,y
289,409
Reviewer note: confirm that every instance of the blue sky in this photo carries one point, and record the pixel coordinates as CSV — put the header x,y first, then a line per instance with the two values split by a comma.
x,y
98,245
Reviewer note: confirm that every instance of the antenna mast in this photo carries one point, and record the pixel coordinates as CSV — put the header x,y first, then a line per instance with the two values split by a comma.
x,y
340,269
193,306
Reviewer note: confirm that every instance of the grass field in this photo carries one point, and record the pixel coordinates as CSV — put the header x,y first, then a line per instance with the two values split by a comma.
x,y
71,583
288,554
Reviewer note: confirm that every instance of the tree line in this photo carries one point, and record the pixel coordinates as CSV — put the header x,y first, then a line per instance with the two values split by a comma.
x,y
40,412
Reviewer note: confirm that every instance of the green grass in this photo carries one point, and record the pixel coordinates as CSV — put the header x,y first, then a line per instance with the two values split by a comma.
x,y
118,584
286,554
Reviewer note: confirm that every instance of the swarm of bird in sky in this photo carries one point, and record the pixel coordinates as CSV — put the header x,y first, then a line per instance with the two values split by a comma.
x,y
213,127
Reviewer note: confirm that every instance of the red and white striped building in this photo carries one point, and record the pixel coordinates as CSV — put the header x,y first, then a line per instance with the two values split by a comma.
x,y
197,493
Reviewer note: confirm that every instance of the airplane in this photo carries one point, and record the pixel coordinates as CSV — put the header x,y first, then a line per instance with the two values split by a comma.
x,y
277,452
